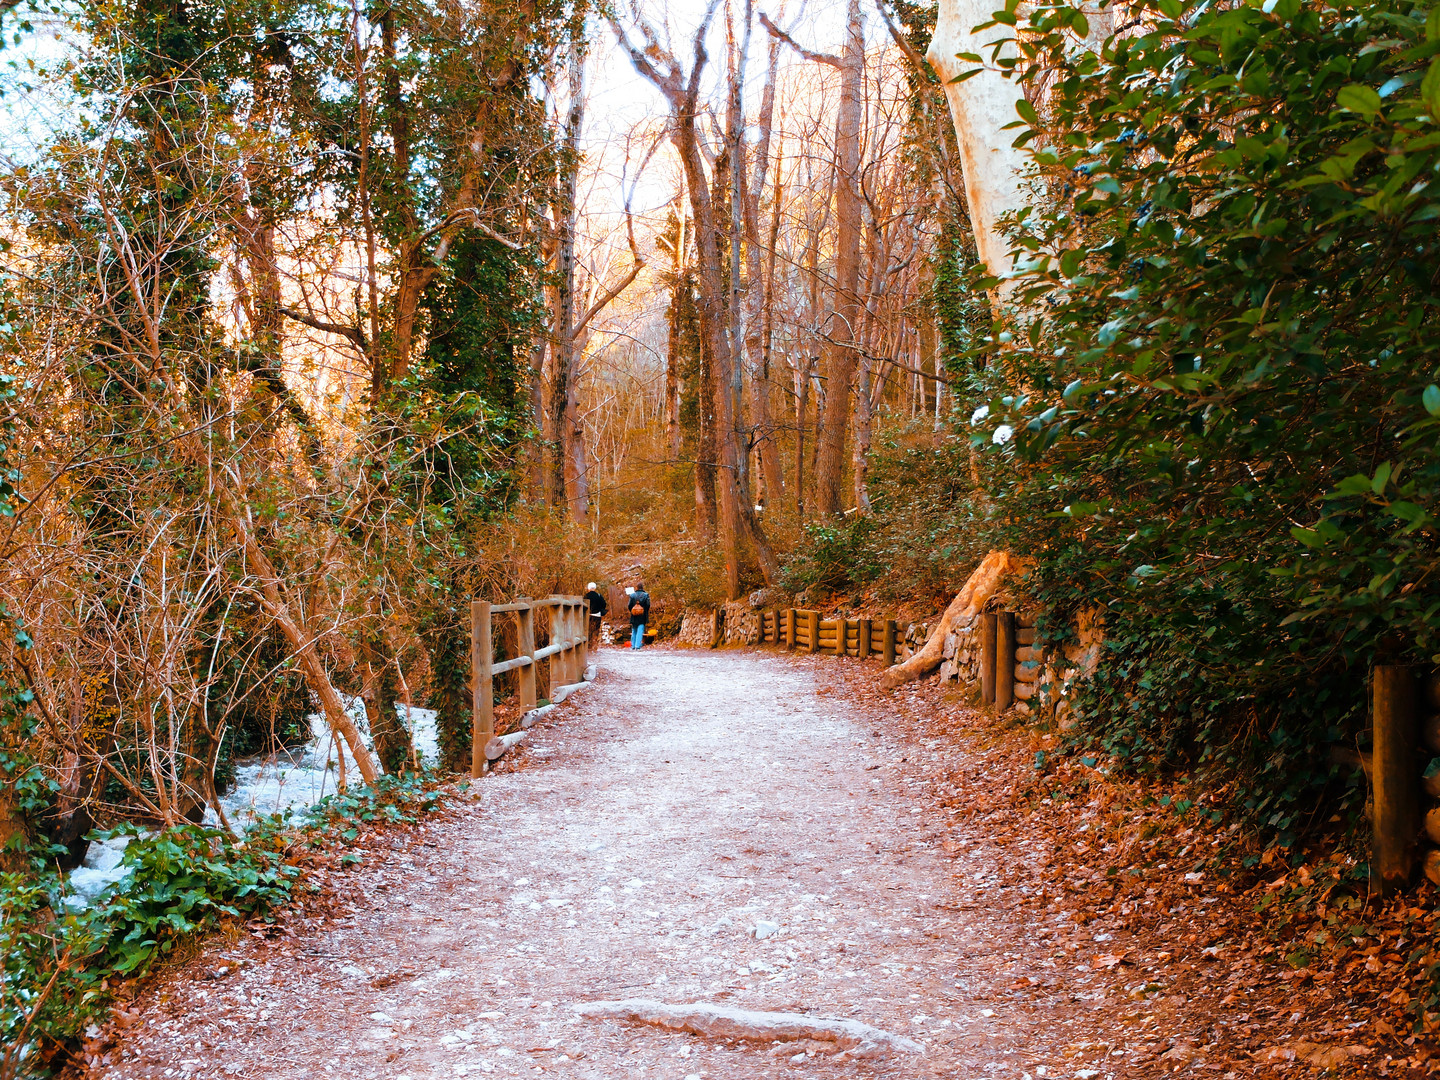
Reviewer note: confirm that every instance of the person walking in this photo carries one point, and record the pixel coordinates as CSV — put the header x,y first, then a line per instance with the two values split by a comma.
x,y
595,600
639,614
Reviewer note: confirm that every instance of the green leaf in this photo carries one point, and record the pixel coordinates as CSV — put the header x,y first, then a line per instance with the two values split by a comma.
x,y
1381,478
1430,85
1432,25
1027,112
1431,398
1071,262
1353,485
1358,98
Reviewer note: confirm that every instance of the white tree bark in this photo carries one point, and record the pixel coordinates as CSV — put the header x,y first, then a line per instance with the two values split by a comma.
x,y
981,107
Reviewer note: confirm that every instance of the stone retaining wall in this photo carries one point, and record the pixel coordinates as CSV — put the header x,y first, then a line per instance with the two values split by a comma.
x,y
1044,678
699,628
742,623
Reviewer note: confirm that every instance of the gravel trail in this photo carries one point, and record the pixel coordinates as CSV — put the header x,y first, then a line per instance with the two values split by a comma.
x,y
698,826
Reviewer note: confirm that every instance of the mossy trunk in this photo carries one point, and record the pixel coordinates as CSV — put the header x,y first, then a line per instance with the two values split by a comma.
x,y
388,733
447,640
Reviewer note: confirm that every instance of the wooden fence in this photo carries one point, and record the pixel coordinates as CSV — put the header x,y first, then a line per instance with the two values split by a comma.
x,y
806,631
568,653
1003,644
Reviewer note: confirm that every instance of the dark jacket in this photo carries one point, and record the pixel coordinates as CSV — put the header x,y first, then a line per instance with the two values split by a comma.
x,y
597,603
641,597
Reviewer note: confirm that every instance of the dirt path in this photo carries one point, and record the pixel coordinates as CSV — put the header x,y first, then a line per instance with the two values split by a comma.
x,y
686,799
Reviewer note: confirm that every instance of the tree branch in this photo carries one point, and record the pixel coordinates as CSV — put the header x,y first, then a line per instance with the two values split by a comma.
x,y
352,334
912,54
808,54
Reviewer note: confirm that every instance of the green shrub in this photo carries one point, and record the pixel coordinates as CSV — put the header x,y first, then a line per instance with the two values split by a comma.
x,y
57,965
926,530
1223,433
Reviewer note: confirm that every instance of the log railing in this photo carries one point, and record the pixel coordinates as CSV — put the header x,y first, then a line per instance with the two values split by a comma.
x,y
804,630
568,653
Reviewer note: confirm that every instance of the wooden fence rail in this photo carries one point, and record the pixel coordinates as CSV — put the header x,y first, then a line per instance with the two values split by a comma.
x,y
568,653
804,630
1000,638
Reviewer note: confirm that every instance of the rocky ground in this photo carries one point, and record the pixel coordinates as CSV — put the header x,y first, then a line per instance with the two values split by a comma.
x,y
766,832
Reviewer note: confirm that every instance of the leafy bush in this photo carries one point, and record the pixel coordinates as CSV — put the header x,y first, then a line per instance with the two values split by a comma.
x,y
925,533
1224,423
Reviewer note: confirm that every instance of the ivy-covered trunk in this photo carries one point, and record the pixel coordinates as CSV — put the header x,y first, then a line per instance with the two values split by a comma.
x,y
448,642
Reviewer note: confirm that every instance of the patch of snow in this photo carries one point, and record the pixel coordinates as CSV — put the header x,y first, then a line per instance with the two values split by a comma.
x,y
101,869
288,783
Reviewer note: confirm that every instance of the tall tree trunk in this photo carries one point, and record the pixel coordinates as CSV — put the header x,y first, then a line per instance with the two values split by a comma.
x,y
672,355
301,643
707,514
759,298
802,419
738,521
564,410
861,460
843,326
538,470
980,108
380,692
738,308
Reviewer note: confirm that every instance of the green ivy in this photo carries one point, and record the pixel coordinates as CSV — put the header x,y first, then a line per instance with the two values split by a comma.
x,y
1222,395
59,965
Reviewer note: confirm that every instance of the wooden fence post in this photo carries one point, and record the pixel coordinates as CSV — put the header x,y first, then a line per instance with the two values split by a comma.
x,y
1004,660
1396,768
987,657
526,673
483,683
790,628
888,642
556,665
582,617
865,639
572,672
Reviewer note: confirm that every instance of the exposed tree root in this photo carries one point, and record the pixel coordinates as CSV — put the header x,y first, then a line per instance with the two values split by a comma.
x,y
850,1037
981,585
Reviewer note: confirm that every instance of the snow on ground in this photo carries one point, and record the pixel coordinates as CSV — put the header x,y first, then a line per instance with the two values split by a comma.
x,y
289,782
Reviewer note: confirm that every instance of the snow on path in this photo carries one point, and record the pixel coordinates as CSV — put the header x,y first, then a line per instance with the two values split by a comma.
x,y
700,827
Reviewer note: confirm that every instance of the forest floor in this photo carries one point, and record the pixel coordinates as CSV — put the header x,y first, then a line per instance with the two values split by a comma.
x,y
917,878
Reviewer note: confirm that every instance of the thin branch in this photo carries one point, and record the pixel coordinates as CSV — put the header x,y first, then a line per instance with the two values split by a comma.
x,y
808,54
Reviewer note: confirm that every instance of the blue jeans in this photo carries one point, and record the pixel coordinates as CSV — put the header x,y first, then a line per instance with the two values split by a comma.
x,y
637,636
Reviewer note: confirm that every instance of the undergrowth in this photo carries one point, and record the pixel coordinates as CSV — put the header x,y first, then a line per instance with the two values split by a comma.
x,y
60,967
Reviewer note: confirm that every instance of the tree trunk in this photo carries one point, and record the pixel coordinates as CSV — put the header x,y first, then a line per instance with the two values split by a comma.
x,y
980,108
802,419
300,642
706,514
380,692
737,519
978,589
838,352
759,298
676,339
861,456
563,391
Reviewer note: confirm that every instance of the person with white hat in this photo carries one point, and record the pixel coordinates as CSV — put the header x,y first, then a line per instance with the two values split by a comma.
x,y
595,600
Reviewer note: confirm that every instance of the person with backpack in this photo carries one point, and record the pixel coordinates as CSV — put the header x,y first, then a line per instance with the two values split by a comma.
x,y
595,602
639,614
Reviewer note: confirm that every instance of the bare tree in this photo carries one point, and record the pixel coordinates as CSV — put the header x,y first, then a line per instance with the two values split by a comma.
x,y
839,354
681,90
